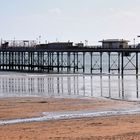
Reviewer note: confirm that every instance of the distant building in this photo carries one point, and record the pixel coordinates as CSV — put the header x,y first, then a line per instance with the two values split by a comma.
x,y
80,44
138,46
56,45
5,45
114,43
59,45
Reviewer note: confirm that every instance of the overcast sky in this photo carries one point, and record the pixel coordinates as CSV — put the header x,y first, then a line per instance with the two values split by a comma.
x,y
74,20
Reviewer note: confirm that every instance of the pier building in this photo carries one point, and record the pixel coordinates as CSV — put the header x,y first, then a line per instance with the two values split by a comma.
x,y
115,43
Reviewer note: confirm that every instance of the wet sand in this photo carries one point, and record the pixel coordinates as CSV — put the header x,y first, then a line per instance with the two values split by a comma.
x,y
126,127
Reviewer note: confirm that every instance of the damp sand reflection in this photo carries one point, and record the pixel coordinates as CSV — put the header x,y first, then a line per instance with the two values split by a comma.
x,y
124,87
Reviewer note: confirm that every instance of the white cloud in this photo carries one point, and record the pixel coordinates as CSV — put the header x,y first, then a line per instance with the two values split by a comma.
x,y
124,13
112,10
128,14
55,11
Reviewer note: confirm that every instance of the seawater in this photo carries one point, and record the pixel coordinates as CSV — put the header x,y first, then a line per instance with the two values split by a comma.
x,y
114,86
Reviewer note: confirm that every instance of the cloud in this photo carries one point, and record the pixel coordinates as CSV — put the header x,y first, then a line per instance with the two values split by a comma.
x,y
55,11
119,13
112,10
128,14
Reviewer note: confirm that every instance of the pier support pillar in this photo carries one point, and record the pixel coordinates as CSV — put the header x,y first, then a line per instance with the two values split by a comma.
x,y
77,62
122,68
62,65
74,62
58,62
136,63
109,62
68,62
83,62
91,62
101,62
118,62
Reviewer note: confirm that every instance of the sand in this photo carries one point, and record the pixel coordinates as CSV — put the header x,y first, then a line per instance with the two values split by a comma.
x,y
126,127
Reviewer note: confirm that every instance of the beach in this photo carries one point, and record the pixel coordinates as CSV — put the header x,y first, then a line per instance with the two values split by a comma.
x,y
123,127
70,70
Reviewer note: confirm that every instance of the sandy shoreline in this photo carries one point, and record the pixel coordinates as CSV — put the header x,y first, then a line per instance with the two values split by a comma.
x,y
115,127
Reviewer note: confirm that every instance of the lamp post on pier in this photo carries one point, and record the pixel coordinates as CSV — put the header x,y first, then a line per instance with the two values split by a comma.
x,y
138,39
134,42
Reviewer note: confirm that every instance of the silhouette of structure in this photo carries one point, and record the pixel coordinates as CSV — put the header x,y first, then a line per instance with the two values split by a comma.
x,y
66,57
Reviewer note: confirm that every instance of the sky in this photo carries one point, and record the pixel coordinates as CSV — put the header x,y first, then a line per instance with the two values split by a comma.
x,y
70,20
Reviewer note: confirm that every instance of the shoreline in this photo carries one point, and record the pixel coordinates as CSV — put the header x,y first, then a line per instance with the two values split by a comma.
x,y
37,105
91,128
57,116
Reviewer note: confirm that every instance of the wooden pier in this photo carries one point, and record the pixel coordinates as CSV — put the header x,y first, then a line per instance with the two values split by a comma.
x,y
68,60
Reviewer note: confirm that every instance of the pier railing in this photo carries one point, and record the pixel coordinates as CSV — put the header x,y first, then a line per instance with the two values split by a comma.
x,y
17,43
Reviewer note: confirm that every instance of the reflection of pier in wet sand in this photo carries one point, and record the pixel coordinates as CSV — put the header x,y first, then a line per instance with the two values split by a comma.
x,y
110,86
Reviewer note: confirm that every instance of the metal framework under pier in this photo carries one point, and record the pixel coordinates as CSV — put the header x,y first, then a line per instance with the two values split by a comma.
x,y
70,60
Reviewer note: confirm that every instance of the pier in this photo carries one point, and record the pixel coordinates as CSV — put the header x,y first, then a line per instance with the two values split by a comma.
x,y
72,60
